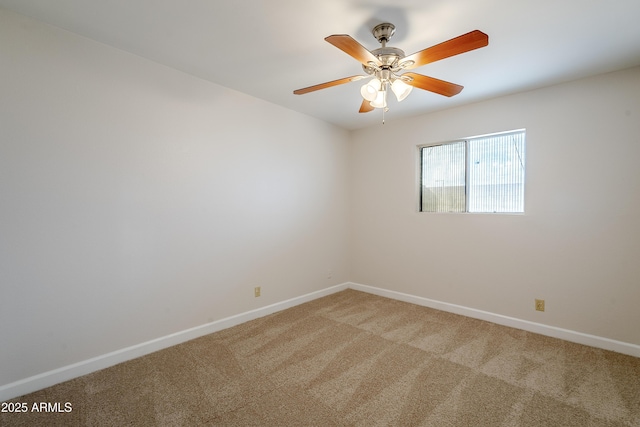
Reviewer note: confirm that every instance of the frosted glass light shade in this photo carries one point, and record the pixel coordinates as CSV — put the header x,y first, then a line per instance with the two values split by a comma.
x,y
401,89
381,100
369,91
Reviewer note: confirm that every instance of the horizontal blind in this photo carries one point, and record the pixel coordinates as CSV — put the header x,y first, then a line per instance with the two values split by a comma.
x,y
443,178
496,173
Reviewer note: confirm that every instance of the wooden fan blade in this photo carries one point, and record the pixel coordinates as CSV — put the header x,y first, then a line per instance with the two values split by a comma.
x,y
352,48
365,107
433,85
461,44
327,84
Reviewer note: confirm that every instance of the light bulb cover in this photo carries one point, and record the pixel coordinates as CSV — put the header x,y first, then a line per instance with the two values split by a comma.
x,y
369,91
401,89
381,100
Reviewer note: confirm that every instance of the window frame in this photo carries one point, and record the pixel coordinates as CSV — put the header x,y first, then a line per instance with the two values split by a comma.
x,y
467,174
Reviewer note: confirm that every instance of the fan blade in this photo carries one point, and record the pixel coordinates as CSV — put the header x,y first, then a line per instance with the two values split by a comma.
x,y
327,84
432,85
351,47
461,44
365,107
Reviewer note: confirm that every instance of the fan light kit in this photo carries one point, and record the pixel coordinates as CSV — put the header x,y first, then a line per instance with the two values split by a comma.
x,y
384,65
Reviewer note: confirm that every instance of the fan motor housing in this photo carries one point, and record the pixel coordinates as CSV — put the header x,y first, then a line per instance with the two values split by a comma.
x,y
388,55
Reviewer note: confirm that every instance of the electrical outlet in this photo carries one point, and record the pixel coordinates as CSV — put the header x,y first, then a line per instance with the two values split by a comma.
x,y
539,304
256,291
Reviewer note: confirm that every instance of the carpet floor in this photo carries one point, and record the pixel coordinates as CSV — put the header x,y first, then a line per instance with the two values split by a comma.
x,y
355,359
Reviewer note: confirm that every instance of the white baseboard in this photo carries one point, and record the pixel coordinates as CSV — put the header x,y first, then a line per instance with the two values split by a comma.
x,y
65,373
538,328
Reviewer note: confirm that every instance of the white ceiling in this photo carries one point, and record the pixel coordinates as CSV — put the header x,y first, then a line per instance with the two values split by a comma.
x,y
268,48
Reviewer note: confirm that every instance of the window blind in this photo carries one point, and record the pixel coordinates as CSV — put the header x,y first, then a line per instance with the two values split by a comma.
x,y
496,173
483,174
443,178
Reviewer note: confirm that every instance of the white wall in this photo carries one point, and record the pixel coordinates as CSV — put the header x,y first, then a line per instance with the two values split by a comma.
x,y
137,201
578,244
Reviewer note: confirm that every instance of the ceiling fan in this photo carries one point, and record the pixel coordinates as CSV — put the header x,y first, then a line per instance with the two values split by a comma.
x,y
384,64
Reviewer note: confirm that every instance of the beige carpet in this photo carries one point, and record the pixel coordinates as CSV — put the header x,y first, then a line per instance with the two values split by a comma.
x,y
356,359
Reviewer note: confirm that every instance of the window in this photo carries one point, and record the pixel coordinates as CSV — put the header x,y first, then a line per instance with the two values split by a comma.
x,y
482,174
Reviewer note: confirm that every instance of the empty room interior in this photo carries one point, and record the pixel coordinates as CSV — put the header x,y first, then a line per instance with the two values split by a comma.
x,y
161,183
